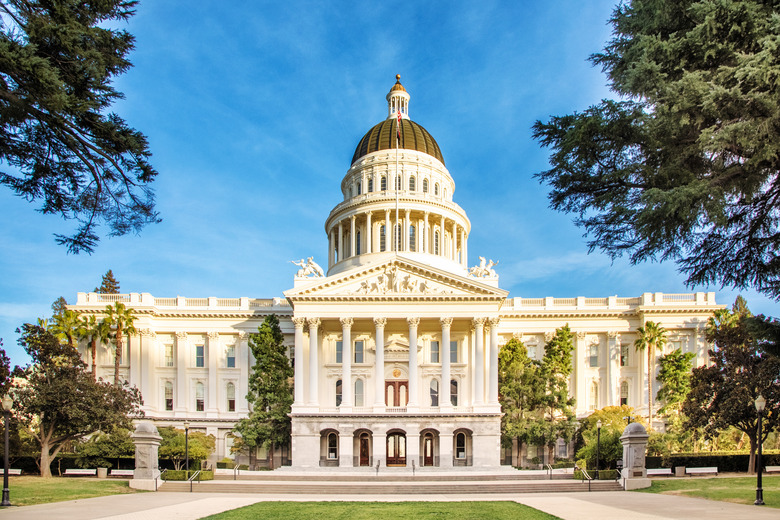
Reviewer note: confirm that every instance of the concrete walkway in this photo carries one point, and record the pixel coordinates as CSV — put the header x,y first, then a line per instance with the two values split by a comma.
x,y
617,505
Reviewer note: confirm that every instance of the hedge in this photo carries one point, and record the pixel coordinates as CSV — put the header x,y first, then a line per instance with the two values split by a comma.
x,y
180,474
724,461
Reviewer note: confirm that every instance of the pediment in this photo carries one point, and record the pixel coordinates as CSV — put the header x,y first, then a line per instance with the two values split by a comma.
x,y
397,278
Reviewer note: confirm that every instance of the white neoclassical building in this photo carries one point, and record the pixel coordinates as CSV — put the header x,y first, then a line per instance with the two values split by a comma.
x,y
395,345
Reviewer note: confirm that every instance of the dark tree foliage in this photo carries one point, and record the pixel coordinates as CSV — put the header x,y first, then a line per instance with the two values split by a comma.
x,y
723,393
59,145
58,400
108,284
59,306
270,391
685,166
5,371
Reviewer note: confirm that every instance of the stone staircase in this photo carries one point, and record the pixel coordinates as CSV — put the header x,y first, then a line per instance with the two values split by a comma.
x,y
369,484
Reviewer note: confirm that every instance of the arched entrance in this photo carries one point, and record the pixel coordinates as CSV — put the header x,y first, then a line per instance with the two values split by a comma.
x,y
428,449
396,449
363,448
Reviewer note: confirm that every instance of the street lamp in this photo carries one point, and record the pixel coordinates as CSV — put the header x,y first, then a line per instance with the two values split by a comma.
x,y
8,403
187,448
598,447
760,404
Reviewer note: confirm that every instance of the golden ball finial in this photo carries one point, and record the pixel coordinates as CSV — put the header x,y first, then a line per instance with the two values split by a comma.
x,y
398,78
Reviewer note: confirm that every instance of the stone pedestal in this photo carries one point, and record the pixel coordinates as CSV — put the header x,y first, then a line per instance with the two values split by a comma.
x,y
634,472
147,442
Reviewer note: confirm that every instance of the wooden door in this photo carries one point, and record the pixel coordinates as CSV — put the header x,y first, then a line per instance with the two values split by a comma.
x,y
428,450
396,393
396,449
364,450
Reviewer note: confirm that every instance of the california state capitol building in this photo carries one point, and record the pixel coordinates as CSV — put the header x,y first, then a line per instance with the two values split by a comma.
x,y
395,344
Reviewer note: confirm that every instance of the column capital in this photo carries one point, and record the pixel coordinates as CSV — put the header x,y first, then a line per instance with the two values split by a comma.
x,y
380,322
494,322
413,322
548,336
446,322
581,335
479,322
313,323
213,335
353,217
299,322
147,333
180,334
346,322
613,334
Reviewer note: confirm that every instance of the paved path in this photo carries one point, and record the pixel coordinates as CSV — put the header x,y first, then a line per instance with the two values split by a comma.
x,y
617,505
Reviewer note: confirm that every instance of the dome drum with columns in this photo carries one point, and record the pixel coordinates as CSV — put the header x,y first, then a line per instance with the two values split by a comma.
x,y
395,344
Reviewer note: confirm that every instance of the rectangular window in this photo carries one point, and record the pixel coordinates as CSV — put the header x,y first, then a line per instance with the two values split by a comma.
x,y
453,351
623,355
359,351
169,355
230,356
594,355
339,351
434,351
563,449
200,356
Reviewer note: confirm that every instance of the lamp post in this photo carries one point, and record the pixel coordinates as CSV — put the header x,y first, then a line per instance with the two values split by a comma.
x,y
598,447
8,403
760,404
187,448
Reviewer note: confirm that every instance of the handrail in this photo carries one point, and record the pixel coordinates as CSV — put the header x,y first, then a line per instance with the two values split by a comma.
x,y
161,476
549,470
196,474
585,475
236,470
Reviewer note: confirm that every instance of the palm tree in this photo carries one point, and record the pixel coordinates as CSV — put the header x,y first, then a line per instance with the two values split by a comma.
x,y
93,331
651,337
66,326
122,318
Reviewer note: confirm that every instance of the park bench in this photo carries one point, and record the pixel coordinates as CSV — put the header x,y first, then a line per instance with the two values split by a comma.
x,y
659,472
772,469
701,471
11,471
71,472
121,473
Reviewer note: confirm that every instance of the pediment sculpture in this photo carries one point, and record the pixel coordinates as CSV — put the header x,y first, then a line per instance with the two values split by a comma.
x,y
392,281
484,269
308,268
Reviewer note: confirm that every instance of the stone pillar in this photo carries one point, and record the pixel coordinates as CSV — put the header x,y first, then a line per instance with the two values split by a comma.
x,y
479,361
413,446
299,379
147,387
369,234
181,377
634,473
213,353
579,372
134,361
352,236
445,450
379,366
405,242
314,324
345,450
242,354
493,360
413,390
342,254
346,364
147,441
613,369
380,449
454,248
445,400
426,247
443,239
388,230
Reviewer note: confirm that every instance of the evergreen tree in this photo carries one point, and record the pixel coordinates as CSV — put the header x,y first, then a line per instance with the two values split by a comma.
x,y
675,378
108,285
59,306
58,142
270,391
685,166
557,406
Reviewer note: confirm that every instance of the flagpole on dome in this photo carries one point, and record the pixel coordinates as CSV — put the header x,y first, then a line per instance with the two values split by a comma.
x,y
397,227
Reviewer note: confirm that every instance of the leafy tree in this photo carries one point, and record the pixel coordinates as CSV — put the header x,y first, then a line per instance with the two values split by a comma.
x,y
270,391
723,392
173,446
685,166
96,451
518,393
58,142
66,327
108,285
59,306
58,401
675,378
94,331
652,337
614,420
123,319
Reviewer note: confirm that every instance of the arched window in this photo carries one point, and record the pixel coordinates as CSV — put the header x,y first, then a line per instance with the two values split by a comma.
x,y
435,242
594,395
168,396
454,392
436,189
398,182
338,392
425,185
383,185
333,446
412,184
231,397
370,184
624,393
412,239
359,392
382,238
357,242
434,392
199,397
359,186
460,445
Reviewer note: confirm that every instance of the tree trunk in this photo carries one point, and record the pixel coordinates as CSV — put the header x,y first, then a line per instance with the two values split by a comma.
x,y
519,452
93,344
45,460
753,449
253,457
649,388
271,455
117,353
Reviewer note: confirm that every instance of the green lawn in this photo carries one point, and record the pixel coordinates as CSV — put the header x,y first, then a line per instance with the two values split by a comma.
x,y
740,490
27,491
382,510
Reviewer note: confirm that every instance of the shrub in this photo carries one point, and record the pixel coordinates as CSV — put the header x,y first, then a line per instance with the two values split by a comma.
x,y
180,474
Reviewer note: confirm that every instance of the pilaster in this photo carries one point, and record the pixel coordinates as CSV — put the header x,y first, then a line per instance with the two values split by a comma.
x,y
346,365
314,324
445,400
379,366
181,374
212,408
479,361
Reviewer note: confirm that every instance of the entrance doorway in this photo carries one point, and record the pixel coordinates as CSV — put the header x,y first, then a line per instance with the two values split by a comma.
x,y
364,450
428,449
396,393
396,449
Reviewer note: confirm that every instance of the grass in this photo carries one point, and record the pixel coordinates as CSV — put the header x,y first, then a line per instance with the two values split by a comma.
x,y
740,490
381,510
27,491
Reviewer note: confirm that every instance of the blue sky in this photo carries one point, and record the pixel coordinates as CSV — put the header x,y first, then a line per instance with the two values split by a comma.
x,y
253,111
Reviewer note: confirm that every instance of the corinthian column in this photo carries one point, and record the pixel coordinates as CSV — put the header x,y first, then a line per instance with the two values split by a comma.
x,y
479,364
346,363
314,364
445,400
493,360
379,366
298,386
413,323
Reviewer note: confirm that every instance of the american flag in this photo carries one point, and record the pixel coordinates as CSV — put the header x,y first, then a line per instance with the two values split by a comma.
x,y
398,126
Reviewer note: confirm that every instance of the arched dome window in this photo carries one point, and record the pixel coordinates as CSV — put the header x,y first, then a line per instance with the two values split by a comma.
x,y
383,185
412,184
359,184
412,239
398,183
370,184
397,235
436,189
436,243
382,238
425,185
